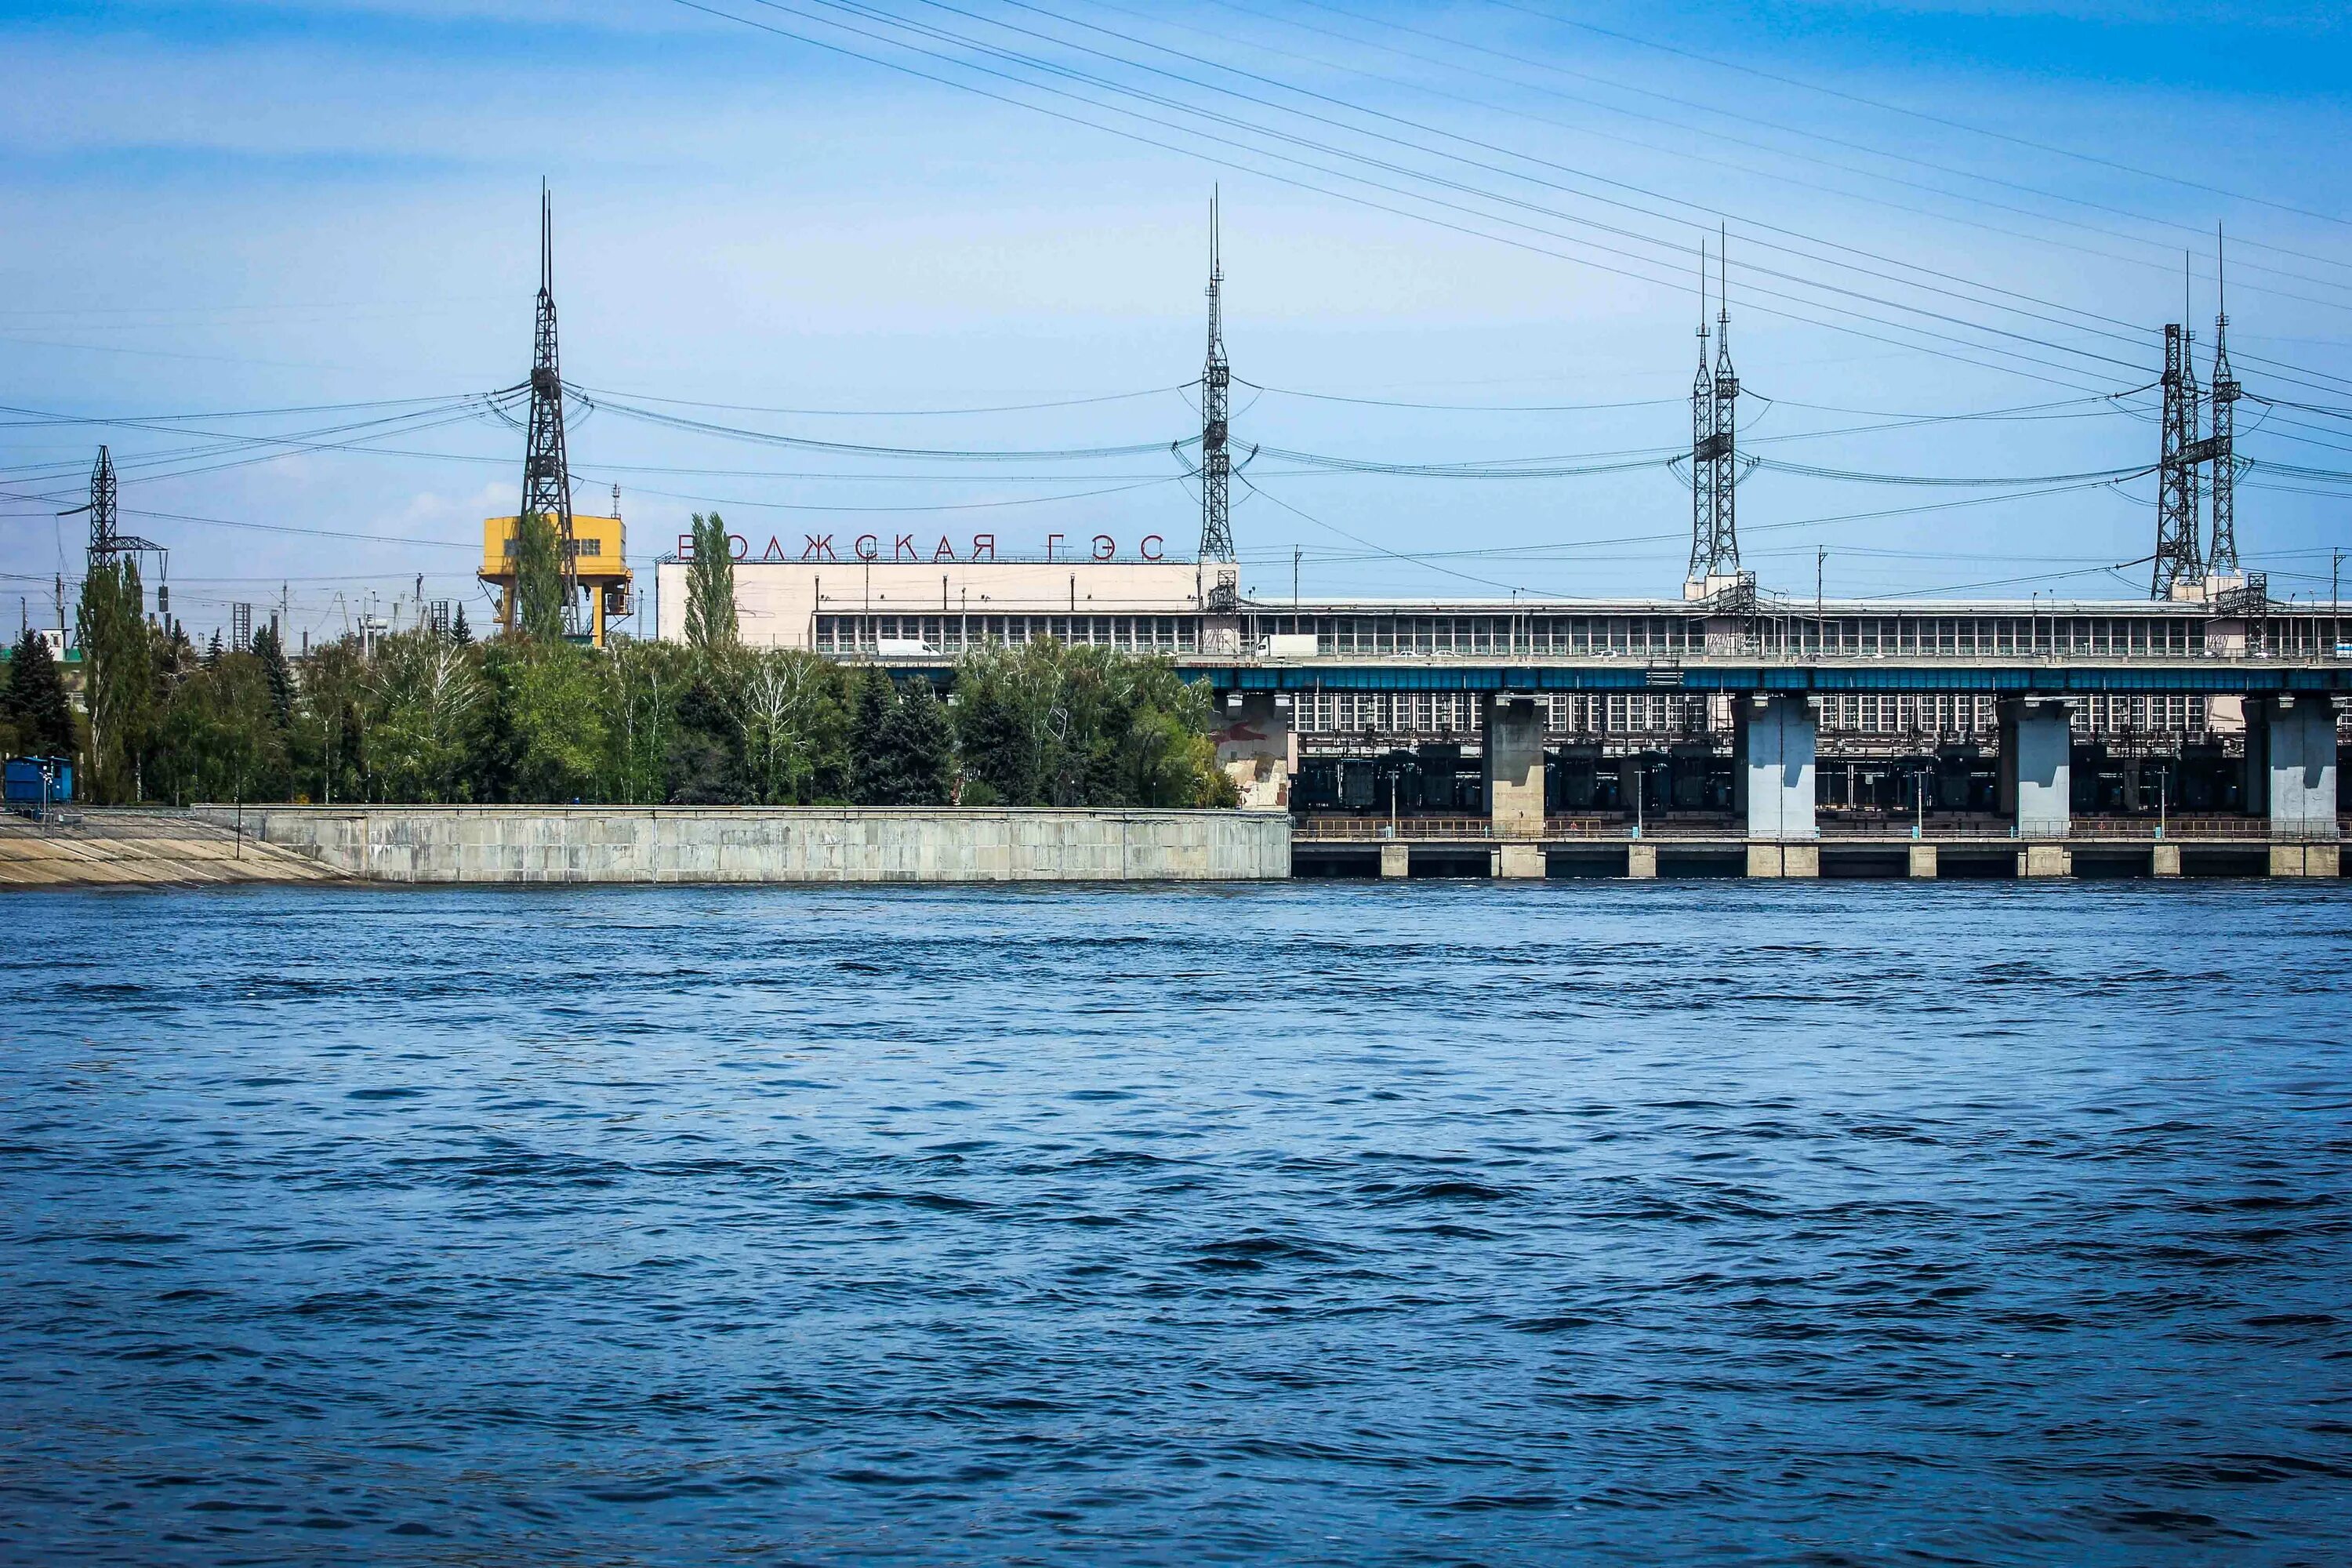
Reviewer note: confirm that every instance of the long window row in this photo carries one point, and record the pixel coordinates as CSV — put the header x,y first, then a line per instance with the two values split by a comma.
x,y
952,634
1442,713
1533,635
1386,715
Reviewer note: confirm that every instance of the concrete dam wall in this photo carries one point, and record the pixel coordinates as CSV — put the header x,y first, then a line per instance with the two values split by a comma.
x,y
758,844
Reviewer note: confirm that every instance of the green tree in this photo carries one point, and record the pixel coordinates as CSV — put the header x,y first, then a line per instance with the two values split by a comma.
x,y
643,683
35,702
328,741
921,744
427,697
794,727
1048,724
218,735
873,775
271,651
706,761
710,585
460,633
118,670
556,735
538,577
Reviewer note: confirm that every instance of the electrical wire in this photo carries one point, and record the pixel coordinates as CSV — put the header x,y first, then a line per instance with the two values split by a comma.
x,y
1278,178
1938,120
891,19
916,454
579,391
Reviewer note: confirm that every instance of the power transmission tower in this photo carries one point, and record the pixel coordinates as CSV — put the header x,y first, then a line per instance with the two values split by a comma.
x,y
2219,448
106,540
546,472
1702,555
2178,561
1223,593
2179,546
1724,540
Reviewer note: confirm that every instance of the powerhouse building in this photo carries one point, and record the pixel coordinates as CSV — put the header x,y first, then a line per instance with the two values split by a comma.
x,y
1390,708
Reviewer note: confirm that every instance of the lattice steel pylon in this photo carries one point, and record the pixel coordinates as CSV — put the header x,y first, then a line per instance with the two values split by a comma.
x,y
1723,541
1702,555
2179,562
546,471
1216,455
2219,448
106,540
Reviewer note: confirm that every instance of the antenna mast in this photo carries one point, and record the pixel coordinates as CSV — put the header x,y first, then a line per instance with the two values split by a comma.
x,y
1216,458
546,471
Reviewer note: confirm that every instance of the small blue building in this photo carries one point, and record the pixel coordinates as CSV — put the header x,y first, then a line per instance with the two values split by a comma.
x,y
34,782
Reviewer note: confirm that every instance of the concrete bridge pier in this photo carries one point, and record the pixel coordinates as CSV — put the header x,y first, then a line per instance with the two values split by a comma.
x,y
2291,749
1512,771
1772,777
2037,779
1396,860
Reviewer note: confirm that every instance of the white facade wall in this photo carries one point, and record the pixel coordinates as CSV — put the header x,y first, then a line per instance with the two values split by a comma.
x,y
777,602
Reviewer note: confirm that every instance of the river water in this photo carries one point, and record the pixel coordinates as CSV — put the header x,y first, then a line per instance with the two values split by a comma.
x,y
1308,1223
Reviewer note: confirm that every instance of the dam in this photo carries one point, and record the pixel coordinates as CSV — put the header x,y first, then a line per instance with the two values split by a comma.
x,y
1731,732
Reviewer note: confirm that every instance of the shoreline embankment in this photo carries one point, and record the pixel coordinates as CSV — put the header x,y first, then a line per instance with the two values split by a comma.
x,y
608,844
137,848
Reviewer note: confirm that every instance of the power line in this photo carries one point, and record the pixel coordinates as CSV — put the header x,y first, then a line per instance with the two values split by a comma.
x,y
579,391
1179,106
1325,191
1921,114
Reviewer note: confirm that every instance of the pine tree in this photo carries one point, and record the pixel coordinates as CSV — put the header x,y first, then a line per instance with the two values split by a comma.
x,y
710,585
460,633
705,761
272,654
35,701
920,746
213,652
873,779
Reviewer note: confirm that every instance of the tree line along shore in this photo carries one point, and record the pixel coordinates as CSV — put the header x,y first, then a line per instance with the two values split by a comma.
x,y
529,718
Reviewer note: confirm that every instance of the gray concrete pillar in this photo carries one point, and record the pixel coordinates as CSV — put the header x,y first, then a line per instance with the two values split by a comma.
x,y
1396,860
1922,861
2291,764
1513,767
2037,775
1519,862
1773,752
2164,860
1641,860
2045,860
2306,860
1784,859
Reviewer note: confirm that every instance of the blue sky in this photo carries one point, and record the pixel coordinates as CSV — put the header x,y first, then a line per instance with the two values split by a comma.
x,y
1934,210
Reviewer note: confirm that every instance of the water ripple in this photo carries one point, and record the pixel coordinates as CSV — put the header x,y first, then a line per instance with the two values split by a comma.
x,y
1307,1224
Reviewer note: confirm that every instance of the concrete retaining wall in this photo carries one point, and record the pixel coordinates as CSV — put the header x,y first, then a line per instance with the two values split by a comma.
x,y
817,843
